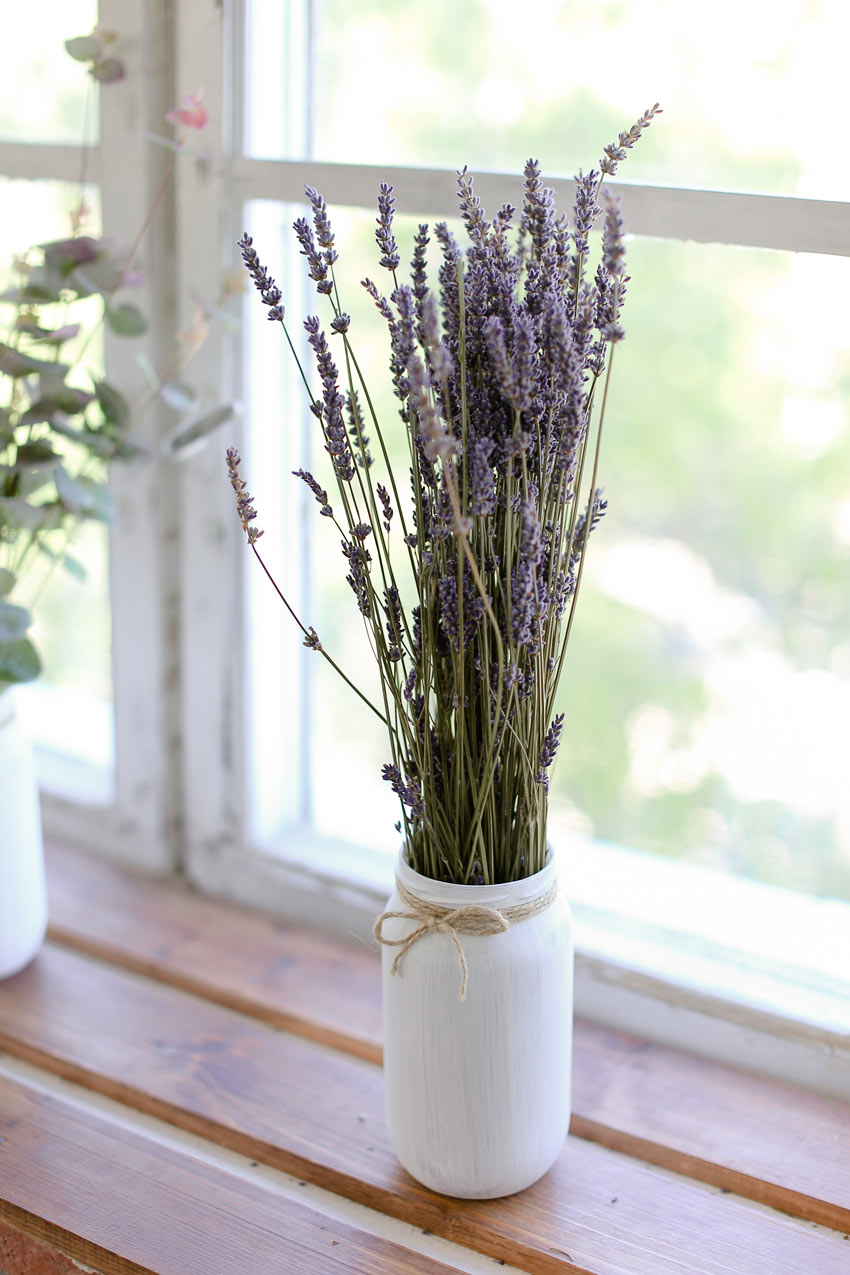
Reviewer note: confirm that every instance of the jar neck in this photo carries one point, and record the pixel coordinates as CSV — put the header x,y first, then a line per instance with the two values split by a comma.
x,y
505,894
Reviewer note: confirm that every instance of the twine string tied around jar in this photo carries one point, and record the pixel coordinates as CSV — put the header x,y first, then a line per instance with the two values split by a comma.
x,y
470,918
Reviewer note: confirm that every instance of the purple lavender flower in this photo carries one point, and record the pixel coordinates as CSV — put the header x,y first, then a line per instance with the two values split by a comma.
x,y
407,791
341,323
270,293
482,490
358,558
359,439
548,751
494,335
384,233
321,221
538,210
393,613
616,152
318,266
418,276
473,609
386,506
525,344
318,491
598,509
336,438
613,248
439,359
437,443
381,302
471,211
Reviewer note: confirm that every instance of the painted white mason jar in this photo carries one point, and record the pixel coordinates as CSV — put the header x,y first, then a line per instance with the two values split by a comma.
x,y
23,889
478,1090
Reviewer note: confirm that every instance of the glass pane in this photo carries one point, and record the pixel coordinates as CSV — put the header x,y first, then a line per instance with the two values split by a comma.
x,y
447,84
707,689
709,678
69,710
45,96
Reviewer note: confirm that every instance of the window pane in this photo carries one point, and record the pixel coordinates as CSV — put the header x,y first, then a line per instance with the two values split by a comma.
x,y
446,84
709,680
44,92
69,710
707,690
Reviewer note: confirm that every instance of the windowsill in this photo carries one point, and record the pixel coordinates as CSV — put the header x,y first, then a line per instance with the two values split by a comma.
x,y
261,1040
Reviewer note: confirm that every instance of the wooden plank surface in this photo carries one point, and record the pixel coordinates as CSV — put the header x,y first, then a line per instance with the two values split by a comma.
x,y
318,1114
126,1203
22,1254
237,957
759,1138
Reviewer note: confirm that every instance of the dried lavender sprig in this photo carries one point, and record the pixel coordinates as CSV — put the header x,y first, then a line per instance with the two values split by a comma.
x,y
408,792
244,501
311,638
321,221
318,266
616,152
548,751
317,490
386,506
269,291
613,248
384,234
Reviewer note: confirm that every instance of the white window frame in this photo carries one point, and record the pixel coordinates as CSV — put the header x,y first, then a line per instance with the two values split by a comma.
x,y
139,824
179,560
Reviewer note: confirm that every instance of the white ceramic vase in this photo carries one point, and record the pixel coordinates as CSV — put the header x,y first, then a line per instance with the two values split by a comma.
x,y
478,1090
23,889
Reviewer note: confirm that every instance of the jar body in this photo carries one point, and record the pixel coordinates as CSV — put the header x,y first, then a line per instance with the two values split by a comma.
x,y
23,889
478,1090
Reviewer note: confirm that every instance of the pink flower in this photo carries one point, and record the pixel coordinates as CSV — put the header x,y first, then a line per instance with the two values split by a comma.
x,y
192,114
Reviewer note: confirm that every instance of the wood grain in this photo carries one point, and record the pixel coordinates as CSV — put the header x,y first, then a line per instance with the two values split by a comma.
x,y
323,987
127,1203
22,1254
317,1113
759,1138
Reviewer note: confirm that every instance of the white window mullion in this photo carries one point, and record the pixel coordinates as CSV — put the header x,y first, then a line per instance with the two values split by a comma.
x,y
663,212
211,549
40,161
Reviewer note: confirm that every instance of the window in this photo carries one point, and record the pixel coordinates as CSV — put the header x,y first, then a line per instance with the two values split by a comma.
x,y
710,656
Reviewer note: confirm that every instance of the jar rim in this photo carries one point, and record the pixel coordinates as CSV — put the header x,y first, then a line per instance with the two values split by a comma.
x,y
504,893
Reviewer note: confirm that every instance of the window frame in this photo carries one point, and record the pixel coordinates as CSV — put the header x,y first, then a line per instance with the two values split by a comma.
x,y
178,560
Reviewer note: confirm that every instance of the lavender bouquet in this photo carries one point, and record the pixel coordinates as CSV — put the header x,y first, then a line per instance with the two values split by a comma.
x,y
467,581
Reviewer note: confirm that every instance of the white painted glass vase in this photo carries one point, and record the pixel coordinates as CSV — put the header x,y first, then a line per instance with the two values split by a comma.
x,y
478,1089
23,890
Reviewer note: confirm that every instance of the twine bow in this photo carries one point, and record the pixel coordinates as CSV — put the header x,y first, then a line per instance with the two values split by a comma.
x,y
472,918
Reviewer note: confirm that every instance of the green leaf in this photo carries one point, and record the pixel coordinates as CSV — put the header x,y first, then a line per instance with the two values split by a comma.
x,y
36,453
7,582
14,621
19,661
108,71
56,336
126,320
19,513
65,255
115,408
75,568
83,48
13,363
75,494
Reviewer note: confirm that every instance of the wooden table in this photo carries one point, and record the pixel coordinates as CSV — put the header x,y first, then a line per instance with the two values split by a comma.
x,y
192,1088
